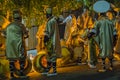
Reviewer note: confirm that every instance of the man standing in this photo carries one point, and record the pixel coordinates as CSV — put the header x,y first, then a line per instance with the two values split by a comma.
x,y
15,34
106,32
52,41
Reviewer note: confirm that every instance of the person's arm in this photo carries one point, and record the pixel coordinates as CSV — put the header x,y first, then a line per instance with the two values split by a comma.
x,y
94,31
66,19
46,33
115,37
25,31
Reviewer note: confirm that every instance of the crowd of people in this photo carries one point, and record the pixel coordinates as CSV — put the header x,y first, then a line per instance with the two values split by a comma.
x,y
85,37
89,38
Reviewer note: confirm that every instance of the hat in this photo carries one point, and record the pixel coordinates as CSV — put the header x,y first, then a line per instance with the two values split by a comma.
x,y
101,6
49,10
16,14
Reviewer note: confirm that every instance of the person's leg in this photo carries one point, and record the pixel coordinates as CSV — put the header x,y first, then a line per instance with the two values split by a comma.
x,y
92,54
22,75
47,69
111,64
103,69
54,70
12,68
54,67
22,64
49,64
53,60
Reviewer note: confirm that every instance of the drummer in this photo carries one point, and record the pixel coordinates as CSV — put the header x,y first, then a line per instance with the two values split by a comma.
x,y
105,30
52,42
15,34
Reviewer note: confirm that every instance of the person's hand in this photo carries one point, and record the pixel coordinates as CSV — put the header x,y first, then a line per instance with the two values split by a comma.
x,y
46,38
90,35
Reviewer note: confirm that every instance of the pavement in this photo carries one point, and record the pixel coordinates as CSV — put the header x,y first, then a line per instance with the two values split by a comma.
x,y
80,72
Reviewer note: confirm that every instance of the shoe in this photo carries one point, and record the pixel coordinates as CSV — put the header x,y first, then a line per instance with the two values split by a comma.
x,y
84,63
13,78
79,63
23,77
91,66
44,73
110,68
102,70
52,74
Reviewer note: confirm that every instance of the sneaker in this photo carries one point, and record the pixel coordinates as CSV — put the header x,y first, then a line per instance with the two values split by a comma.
x,y
23,78
110,68
84,63
52,74
102,70
79,63
13,78
91,66
44,73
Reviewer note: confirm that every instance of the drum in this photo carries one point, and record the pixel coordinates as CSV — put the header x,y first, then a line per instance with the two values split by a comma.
x,y
27,67
40,62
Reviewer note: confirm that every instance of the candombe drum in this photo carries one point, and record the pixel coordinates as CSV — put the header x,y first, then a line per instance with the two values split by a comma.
x,y
40,61
27,67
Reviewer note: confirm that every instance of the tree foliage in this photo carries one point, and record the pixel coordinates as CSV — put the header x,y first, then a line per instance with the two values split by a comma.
x,y
35,9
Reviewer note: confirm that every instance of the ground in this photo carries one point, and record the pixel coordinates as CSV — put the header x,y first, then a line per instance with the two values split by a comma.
x,y
80,72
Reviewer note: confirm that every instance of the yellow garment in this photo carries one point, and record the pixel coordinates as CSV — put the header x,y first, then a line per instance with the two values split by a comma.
x,y
40,37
